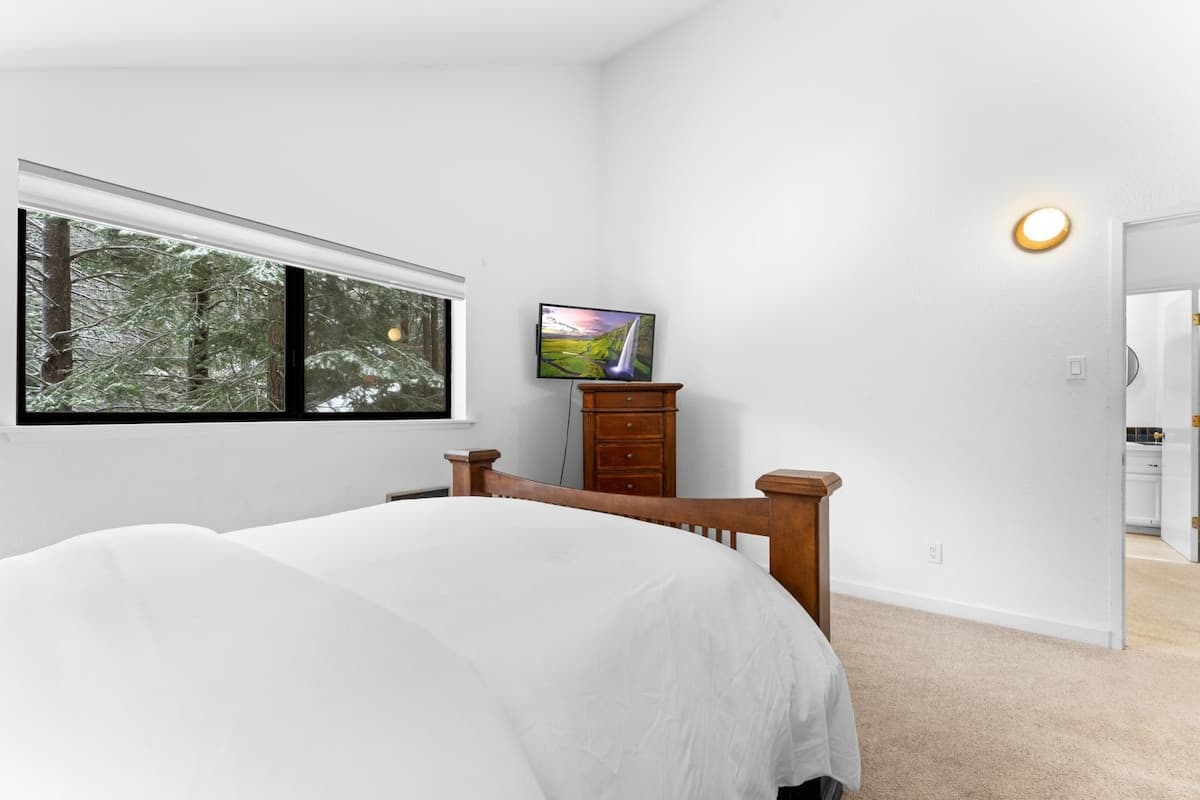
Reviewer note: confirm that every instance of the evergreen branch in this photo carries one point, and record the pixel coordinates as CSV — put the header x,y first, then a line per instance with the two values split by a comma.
x,y
108,274
107,248
40,292
95,324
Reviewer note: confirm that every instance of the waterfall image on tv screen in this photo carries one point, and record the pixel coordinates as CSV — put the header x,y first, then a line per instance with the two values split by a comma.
x,y
595,343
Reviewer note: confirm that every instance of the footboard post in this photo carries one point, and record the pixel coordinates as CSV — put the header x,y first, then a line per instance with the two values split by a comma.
x,y
799,535
468,467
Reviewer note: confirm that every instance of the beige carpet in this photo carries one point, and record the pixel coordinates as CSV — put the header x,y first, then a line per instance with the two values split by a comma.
x,y
958,710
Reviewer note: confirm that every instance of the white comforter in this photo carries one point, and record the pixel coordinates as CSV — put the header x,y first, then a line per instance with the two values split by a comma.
x,y
633,661
167,662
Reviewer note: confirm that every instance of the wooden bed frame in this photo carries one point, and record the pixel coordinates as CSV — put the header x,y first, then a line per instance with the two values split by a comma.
x,y
793,514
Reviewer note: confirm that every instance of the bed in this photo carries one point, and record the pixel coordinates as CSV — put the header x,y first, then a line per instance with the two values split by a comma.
x,y
576,654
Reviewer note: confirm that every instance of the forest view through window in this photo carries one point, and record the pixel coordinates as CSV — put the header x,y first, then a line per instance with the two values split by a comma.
x,y
120,325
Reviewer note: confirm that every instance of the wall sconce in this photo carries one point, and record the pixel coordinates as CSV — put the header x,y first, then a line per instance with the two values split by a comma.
x,y
1042,229
395,334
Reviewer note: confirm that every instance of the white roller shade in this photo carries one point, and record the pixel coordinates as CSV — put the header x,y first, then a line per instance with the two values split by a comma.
x,y
54,191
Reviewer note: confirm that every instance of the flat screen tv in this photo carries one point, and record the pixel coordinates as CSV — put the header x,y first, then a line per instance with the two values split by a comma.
x,y
594,343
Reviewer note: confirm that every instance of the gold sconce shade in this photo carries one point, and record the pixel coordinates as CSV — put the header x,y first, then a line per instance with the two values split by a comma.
x,y
1042,229
395,334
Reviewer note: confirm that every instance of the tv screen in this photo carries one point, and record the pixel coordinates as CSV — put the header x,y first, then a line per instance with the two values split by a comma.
x,y
594,343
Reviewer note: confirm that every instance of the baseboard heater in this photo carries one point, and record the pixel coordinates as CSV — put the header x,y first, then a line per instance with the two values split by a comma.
x,y
417,494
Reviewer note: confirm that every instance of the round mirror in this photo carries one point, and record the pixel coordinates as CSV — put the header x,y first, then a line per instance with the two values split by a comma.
x,y
1132,365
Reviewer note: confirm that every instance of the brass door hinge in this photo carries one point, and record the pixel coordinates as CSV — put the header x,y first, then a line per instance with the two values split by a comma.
x,y
1196,523
1196,319
1196,420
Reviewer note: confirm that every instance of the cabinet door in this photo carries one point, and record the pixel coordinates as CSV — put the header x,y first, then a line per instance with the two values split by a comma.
x,y
1142,499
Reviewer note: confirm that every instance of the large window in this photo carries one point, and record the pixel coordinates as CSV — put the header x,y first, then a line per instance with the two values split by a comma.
x,y
122,326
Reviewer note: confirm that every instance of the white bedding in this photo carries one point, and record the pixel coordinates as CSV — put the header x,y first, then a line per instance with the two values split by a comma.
x,y
167,662
633,661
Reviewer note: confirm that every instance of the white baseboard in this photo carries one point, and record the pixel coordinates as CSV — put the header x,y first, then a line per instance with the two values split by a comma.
x,y
934,605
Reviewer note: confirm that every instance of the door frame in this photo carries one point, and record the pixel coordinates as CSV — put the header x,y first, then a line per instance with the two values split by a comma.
x,y
1115,435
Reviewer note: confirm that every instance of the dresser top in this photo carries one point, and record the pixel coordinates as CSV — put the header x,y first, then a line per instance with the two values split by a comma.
x,y
629,386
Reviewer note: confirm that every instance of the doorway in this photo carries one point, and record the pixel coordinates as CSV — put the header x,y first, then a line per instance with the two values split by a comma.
x,y
1157,270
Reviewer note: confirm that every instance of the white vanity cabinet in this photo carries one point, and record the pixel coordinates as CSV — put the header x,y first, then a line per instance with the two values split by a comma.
x,y
1143,484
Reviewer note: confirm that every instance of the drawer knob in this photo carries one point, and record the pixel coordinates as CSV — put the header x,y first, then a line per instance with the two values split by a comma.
x,y
628,398
629,486
628,456
628,424
1152,465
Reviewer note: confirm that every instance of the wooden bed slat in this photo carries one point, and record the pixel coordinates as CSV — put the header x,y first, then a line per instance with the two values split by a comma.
x,y
794,515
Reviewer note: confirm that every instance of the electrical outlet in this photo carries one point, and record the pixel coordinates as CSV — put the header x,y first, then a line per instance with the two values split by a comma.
x,y
935,553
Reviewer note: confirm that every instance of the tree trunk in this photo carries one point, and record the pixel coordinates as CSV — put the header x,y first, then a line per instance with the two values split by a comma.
x,y
56,317
197,363
439,351
427,330
275,337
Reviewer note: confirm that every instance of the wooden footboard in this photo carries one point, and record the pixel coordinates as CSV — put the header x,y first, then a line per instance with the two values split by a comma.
x,y
793,514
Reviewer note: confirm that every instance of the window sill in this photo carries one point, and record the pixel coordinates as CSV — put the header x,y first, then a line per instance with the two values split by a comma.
x,y
31,434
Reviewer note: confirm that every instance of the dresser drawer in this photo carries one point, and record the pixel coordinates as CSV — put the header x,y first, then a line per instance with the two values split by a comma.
x,y
628,456
631,399
623,426
648,485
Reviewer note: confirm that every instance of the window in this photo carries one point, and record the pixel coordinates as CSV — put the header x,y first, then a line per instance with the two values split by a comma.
x,y
117,325
372,349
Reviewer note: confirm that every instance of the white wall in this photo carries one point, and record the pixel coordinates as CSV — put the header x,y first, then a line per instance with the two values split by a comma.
x,y
490,173
1143,332
818,200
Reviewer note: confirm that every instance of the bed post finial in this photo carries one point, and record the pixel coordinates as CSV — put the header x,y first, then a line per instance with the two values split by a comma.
x,y
799,534
468,467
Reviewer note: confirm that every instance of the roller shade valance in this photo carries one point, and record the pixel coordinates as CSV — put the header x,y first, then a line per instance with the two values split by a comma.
x,y
56,191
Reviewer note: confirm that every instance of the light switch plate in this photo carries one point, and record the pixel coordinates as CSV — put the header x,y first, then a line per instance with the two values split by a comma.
x,y
1076,368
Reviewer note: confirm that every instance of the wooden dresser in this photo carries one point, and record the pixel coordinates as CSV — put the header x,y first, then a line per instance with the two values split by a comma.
x,y
629,438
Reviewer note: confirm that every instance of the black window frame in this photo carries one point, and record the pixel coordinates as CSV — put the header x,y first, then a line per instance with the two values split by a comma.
x,y
294,354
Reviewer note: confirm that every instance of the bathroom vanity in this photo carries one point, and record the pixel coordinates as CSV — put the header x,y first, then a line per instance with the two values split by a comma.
x,y
1143,484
